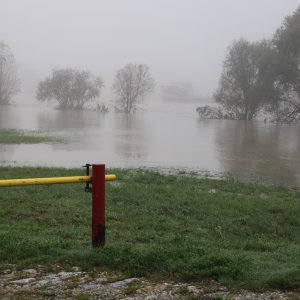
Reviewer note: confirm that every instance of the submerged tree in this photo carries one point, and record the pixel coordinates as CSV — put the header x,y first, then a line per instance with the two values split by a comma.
x,y
9,82
287,43
131,85
72,89
247,80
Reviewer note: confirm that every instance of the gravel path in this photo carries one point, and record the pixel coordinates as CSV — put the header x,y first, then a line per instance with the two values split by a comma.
x,y
75,284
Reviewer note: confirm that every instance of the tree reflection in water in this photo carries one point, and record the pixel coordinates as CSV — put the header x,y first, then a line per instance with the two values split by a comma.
x,y
257,148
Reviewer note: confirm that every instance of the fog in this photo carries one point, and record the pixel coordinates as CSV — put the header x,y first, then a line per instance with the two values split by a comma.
x,y
180,40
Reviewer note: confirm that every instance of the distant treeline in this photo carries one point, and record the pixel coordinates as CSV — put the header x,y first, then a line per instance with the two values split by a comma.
x,y
73,89
257,77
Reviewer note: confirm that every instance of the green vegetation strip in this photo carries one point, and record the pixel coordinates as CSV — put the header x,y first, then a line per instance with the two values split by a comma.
x,y
13,136
163,226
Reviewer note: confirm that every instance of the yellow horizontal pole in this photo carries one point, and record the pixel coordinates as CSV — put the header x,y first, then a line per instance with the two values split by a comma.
x,y
51,180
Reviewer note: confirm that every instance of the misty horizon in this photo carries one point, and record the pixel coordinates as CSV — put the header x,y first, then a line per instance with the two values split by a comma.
x,y
181,41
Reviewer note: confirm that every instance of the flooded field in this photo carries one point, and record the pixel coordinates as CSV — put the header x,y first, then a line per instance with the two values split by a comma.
x,y
168,136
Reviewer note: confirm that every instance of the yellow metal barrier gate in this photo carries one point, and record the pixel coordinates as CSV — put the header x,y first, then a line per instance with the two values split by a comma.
x,y
97,180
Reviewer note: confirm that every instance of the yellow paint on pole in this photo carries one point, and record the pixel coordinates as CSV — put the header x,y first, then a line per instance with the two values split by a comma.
x,y
51,180
110,177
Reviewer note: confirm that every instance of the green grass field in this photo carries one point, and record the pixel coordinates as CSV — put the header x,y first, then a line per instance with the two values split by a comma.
x,y
13,136
161,226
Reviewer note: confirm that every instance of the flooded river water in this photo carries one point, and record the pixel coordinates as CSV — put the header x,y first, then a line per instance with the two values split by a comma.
x,y
168,136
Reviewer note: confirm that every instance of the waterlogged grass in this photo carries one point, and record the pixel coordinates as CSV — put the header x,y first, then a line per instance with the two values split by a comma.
x,y
181,227
13,136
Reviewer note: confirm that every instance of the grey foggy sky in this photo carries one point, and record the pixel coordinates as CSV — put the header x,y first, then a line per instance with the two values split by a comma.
x,y
180,40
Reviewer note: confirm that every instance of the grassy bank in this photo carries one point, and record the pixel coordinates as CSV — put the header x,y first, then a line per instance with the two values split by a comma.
x,y
13,136
158,225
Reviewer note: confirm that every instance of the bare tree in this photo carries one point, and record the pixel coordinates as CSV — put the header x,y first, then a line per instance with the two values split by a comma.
x,y
131,85
9,82
72,89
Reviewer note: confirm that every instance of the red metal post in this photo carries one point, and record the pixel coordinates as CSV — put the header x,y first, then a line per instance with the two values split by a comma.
x,y
98,205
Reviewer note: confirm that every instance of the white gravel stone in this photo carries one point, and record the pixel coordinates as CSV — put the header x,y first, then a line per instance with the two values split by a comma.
x,y
122,283
23,281
30,271
47,281
91,286
66,275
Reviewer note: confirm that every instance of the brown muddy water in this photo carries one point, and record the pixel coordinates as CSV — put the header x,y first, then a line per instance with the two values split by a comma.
x,y
167,136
